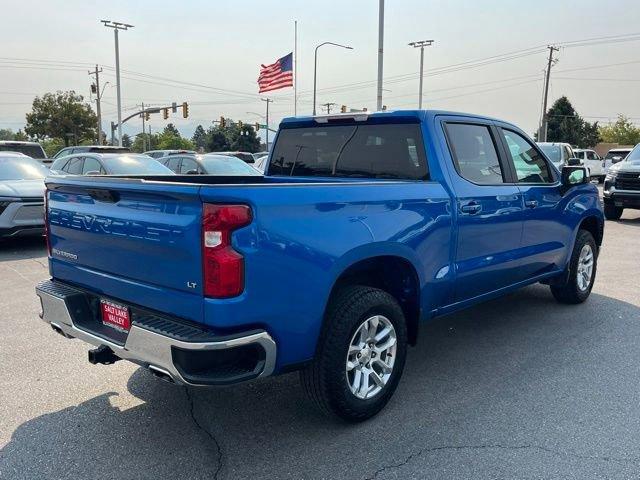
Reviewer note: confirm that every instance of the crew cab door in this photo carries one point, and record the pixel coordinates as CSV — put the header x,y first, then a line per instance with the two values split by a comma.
x,y
544,235
489,209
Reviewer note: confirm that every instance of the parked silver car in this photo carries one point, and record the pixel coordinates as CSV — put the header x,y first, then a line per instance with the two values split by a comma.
x,y
108,164
21,195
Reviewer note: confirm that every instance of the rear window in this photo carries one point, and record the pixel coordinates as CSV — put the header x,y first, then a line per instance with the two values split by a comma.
x,y
367,151
33,151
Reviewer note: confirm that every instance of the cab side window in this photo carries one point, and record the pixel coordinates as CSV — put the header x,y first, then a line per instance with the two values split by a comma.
x,y
74,167
475,153
92,165
188,165
530,166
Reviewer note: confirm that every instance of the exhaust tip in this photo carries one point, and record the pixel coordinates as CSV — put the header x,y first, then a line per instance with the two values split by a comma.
x,y
161,374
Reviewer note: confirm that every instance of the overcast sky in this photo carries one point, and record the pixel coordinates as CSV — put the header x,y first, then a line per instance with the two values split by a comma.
x,y
218,46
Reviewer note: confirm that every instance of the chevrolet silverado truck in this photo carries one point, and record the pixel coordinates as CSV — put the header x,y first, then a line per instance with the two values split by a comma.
x,y
364,225
622,186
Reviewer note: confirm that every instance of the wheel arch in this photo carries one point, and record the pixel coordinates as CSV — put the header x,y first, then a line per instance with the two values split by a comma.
x,y
393,273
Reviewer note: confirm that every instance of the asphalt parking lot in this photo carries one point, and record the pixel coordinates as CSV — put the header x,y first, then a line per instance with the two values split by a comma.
x,y
521,387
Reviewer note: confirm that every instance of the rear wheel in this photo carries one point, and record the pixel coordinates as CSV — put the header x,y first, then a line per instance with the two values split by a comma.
x,y
360,356
611,212
582,271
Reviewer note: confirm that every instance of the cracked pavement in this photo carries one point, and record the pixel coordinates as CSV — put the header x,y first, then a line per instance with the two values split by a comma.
x,y
520,387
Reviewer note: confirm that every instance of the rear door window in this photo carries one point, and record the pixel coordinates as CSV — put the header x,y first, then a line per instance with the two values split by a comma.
x,y
173,163
475,154
91,165
365,151
188,165
529,164
74,167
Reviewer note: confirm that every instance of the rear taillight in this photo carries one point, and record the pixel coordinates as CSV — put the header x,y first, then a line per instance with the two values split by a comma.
x,y
223,267
46,221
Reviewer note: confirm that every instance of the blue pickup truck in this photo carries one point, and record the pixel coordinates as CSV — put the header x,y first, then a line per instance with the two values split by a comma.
x,y
364,225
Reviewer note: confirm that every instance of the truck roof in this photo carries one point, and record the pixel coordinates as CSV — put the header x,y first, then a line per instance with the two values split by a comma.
x,y
418,115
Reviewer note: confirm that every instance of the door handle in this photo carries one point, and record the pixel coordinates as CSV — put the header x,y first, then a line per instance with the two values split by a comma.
x,y
471,208
531,203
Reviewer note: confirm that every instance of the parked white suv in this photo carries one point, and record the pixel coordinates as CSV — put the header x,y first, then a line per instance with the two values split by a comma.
x,y
592,161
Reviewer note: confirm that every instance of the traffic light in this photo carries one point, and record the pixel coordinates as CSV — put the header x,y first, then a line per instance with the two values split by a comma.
x,y
94,89
165,113
174,107
384,108
185,109
240,124
257,126
147,116
223,122
343,109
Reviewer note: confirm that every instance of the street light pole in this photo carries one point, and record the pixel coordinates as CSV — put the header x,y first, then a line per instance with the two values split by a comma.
x,y
380,52
421,44
117,26
268,100
315,68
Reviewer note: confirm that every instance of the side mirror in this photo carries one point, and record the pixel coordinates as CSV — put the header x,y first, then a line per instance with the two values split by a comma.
x,y
192,172
574,162
573,176
616,159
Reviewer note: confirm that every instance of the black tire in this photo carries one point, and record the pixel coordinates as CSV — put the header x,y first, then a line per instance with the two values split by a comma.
x,y
325,379
601,179
570,292
611,212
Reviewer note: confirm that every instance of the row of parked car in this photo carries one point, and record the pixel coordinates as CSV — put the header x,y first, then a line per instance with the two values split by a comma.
x,y
24,167
564,154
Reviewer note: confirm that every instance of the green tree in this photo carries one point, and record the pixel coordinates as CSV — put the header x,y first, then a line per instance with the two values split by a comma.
x,y
7,134
126,140
565,125
217,140
199,138
150,142
622,132
244,139
61,115
171,128
20,136
51,146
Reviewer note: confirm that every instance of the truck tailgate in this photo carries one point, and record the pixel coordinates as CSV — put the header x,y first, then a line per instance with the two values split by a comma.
x,y
144,233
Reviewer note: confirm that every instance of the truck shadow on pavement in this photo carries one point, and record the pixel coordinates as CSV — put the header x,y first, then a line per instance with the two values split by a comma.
x,y
515,373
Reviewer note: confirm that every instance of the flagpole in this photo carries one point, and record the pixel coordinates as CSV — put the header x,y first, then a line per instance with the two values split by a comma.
x,y
295,68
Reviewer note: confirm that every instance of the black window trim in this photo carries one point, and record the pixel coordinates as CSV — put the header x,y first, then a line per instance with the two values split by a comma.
x,y
512,167
507,173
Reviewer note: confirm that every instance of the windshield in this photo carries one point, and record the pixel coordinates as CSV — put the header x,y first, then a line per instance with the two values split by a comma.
x,y
554,152
634,156
21,168
616,153
135,165
33,151
223,165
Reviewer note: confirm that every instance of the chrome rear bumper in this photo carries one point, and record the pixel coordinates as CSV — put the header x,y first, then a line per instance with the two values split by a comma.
x,y
164,353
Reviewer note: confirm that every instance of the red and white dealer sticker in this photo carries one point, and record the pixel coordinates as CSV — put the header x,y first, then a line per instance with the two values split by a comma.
x,y
115,316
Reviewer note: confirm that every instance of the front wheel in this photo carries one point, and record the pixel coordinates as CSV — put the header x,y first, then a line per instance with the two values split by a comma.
x,y
611,212
582,271
360,355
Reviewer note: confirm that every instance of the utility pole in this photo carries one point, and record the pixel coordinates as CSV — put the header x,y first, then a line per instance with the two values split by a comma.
x,y
150,146
421,44
380,47
268,100
116,27
96,72
113,129
542,134
143,129
328,106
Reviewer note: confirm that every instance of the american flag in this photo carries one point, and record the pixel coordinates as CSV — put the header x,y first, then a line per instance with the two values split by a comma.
x,y
277,75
